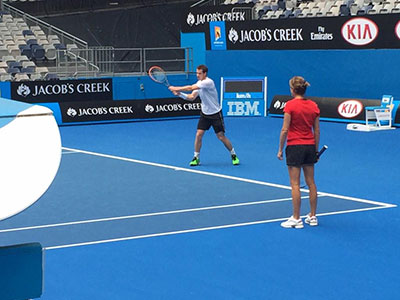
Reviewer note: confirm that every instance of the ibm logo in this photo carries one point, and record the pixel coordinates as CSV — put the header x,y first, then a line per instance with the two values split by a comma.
x,y
243,108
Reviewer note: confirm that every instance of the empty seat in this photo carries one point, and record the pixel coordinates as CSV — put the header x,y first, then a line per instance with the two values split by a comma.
x,y
31,42
6,77
38,52
291,4
50,52
26,64
36,76
14,64
27,32
13,71
73,48
51,76
21,77
60,46
26,50
14,50
3,50
344,10
52,37
35,28
43,42
8,58
21,58
28,70
42,70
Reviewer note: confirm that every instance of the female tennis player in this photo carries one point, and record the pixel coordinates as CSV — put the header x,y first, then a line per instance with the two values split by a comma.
x,y
301,132
210,114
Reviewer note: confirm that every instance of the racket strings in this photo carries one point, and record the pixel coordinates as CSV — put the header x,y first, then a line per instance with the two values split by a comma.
x,y
158,75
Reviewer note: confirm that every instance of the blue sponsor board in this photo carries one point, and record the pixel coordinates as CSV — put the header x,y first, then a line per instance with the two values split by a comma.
x,y
244,96
243,107
217,35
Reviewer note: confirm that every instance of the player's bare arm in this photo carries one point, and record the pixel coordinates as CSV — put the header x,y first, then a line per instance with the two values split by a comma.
x,y
177,91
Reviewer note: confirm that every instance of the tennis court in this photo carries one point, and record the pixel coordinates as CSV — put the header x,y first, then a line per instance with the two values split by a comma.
x,y
126,218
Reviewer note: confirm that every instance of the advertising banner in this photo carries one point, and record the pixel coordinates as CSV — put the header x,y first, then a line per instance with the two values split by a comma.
x,y
196,18
62,90
73,112
367,32
331,108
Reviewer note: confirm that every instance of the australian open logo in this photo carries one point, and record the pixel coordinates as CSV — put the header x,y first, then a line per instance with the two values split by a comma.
x,y
190,19
233,35
71,112
23,90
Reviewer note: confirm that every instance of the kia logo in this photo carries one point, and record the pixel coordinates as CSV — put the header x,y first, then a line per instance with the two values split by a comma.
x,y
397,30
359,31
350,108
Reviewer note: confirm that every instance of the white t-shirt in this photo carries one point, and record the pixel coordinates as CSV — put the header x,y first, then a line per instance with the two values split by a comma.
x,y
209,96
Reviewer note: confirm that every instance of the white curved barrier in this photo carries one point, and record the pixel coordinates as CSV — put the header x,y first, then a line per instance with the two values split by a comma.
x,y
30,154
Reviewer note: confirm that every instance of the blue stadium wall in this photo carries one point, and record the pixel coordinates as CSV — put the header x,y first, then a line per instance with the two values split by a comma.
x,y
332,73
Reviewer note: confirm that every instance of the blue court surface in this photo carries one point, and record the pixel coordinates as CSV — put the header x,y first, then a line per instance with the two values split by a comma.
x,y
126,218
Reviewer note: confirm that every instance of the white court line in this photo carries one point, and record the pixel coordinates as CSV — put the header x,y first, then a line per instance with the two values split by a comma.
x,y
226,176
380,205
197,230
69,152
148,214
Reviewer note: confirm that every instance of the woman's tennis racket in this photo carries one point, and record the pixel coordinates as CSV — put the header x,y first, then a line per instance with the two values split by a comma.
x,y
324,147
158,75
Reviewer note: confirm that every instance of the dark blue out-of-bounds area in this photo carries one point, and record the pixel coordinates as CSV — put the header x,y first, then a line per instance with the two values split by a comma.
x,y
126,218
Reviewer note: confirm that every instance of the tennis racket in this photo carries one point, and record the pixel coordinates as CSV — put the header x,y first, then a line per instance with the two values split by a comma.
x,y
320,152
158,75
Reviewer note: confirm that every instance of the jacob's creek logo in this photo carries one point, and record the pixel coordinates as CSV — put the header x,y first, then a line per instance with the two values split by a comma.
x,y
266,35
201,19
23,90
321,35
279,105
397,30
97,111
64,89
360,31
172,107
350,108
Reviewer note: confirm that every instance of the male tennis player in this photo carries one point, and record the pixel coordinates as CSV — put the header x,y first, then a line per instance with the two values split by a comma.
x,y
300,131
210,114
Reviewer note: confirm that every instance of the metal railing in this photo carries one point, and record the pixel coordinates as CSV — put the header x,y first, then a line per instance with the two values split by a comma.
x,y
84,61
109,61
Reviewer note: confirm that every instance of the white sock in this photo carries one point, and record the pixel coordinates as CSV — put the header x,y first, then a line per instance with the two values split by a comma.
x,y
196,154
233,151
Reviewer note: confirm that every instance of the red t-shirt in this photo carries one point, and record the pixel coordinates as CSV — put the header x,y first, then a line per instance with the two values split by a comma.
x,y
303,113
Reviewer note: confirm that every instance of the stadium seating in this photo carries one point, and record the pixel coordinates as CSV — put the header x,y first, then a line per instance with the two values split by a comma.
x,y
317,8
23,47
